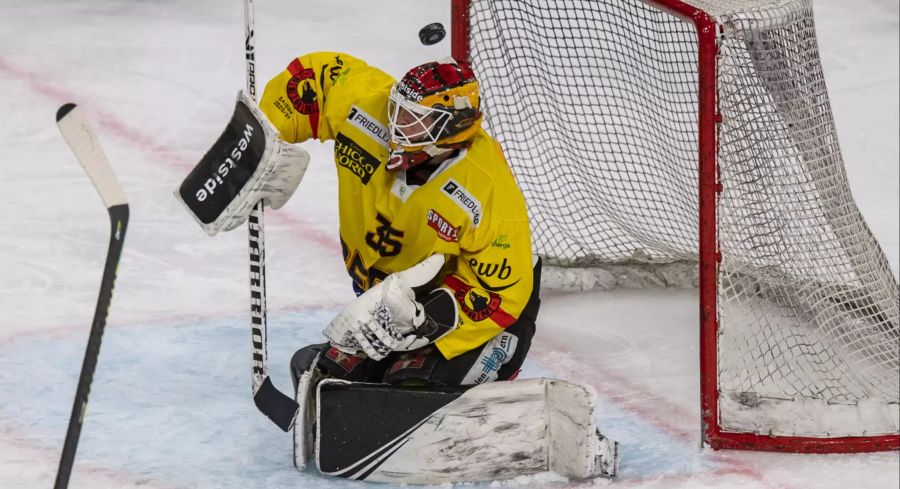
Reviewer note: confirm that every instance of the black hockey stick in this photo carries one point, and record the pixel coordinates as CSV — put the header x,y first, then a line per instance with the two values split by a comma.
x,y
81,138
278,407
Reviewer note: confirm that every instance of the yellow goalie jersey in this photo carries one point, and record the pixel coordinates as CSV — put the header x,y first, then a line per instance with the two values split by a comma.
x,y
470,209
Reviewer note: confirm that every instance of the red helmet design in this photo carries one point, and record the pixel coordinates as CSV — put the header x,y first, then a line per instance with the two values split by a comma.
x,y
434,108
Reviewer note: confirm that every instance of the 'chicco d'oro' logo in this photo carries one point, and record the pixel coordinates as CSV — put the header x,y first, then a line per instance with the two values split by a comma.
x,y
353,157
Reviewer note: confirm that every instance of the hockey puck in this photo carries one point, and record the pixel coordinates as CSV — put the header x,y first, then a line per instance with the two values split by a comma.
x,y
432,33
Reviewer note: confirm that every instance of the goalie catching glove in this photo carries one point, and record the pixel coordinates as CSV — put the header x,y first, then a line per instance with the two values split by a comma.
x,y
387,317
248,163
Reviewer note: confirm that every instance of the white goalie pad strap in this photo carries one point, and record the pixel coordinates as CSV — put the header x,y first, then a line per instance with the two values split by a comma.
x,y
218,176
493,431
304,435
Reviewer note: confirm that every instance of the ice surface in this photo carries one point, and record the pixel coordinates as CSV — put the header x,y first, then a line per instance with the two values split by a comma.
x,y
170,405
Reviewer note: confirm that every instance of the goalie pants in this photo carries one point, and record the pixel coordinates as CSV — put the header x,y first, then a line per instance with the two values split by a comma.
x,y
498,359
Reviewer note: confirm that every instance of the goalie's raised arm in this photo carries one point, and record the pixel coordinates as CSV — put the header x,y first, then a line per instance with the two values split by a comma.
x,y
248,163
315,92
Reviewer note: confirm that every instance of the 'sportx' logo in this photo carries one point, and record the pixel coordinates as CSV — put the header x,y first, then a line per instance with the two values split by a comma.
x,y
445,229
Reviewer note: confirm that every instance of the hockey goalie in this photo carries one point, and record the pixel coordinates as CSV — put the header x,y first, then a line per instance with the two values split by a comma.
x,y
414,380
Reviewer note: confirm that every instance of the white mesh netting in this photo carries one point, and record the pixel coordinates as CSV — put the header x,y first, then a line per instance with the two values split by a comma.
x,y
595,104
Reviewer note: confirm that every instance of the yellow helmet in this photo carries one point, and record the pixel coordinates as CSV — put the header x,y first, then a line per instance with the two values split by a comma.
x,y
434,107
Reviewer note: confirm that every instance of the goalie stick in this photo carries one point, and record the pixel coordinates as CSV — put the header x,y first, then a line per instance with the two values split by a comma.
x,y
278,407
81,138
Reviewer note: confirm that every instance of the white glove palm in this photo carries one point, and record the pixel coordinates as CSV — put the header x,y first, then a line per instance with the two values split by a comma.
x,y
385,317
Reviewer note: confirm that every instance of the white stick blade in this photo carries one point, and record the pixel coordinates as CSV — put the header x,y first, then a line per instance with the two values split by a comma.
x,y
78,133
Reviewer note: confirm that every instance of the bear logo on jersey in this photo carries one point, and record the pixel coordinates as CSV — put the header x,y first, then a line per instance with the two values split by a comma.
x,y
477,303
300,90
305,102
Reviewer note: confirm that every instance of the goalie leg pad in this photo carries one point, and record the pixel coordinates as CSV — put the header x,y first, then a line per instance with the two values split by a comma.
x,y
489,432
309,365
306,376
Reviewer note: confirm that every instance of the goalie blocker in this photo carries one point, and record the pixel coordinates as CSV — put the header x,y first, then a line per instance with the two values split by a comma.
x,y
248,163
436,435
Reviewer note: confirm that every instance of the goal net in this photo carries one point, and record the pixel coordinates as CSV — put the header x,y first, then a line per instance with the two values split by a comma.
x,y
671,143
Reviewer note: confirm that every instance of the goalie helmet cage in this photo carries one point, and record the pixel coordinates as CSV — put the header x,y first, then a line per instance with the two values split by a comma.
x,y
647,135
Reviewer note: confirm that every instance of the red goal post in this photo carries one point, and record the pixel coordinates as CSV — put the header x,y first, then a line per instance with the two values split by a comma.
x,y
514,44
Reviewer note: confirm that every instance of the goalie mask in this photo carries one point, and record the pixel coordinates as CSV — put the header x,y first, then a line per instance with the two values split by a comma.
x,y
433,110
